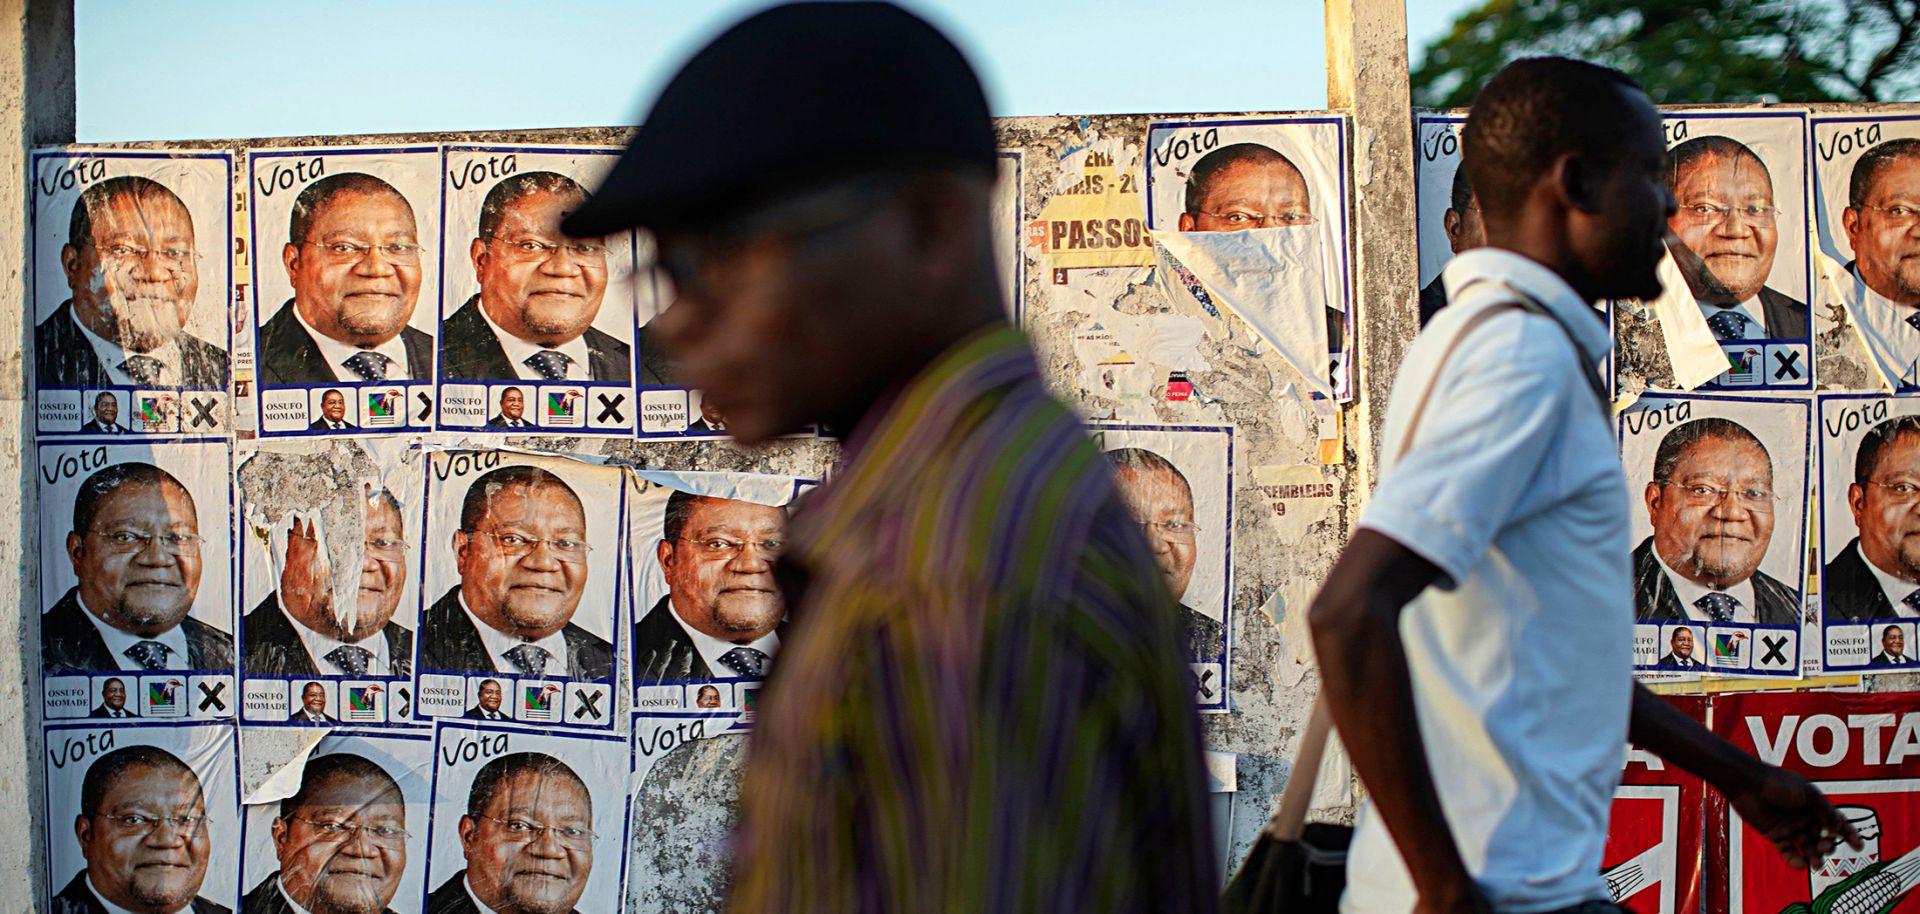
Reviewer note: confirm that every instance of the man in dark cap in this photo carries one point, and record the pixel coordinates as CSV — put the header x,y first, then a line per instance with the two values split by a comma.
x,y
972,561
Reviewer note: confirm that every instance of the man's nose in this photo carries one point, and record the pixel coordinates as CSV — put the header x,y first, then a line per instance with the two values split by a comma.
x,y
541,557
376,263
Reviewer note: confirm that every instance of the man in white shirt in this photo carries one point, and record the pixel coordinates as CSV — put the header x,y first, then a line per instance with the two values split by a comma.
x,y
1883,208
142,829
1725,238
299,629
1877,575
1711,502
353,257
722,612
1491,761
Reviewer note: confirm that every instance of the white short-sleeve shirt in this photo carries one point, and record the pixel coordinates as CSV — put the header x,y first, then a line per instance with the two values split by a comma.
x,y
1522,660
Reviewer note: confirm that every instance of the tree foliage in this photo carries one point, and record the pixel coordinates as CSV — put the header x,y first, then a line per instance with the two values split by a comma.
x,y
1692,51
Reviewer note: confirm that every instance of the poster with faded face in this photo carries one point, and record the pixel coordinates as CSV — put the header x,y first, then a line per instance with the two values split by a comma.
x,y
1867,226
1252,216
342,829
686,784
522,571
537,330
1719,486
141,816
1869,531
136,571
1738,238
1007,222
345,251
707,614
526,821
329,572
1178,482
129,291
1449,212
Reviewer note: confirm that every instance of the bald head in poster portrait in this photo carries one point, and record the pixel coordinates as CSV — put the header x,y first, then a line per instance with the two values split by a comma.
x,y
540,292
1877,575
133,276
1712,504
353,256
142,828
521,551
135,548
1726,236
1161,500
722,613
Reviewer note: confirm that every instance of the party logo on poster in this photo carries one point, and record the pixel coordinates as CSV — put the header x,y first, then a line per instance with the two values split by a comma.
x,y
164,696
560,404
384,407
363,703
541,702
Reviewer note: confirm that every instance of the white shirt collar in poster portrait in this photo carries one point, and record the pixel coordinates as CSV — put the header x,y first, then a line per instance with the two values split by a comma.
x,y
1894,343
337,353
114,358
1895,589
1749,309
712,648
498,644
518,350
319,646
1690,593
118,643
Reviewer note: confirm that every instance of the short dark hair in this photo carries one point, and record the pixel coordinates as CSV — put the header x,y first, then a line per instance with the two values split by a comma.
x,y
1890,630
1462,192
1867,168
1200,180
513,188
316,197
1677,632
1141,460
679,505
487,782
1866,460
324,769
1530,113
111,767
310,684
489,682
108,480
113,679
473,508
105,395
1701,147
80,224
333,391
1666,458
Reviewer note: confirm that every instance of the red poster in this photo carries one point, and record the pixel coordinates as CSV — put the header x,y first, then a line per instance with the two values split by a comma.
x,y
1864,752
1652,859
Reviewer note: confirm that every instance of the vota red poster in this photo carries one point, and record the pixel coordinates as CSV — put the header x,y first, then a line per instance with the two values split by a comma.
x,y
1652,858
1864,752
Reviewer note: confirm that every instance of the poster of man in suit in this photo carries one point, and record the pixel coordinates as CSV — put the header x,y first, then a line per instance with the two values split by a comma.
x,y
1866,205
348,835
1869,528
1719,484
526,821
329,580
706,606
524,305
141,817
130,279
346,253
523,560
1448,210
136,573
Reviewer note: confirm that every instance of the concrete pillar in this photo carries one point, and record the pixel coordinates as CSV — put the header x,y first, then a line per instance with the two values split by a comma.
x,y
1367,77
36,108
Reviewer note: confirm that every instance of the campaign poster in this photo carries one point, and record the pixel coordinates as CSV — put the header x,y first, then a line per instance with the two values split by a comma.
x,y
1651,862
1870,556
1448,213
1718,489
538,332
346,275
521,573
686,787
142,816
708,617
1252,214
1866,204
1739,238
1178,482
1863,752
136,574
1008,193
526,821
342,827
329,580
129,291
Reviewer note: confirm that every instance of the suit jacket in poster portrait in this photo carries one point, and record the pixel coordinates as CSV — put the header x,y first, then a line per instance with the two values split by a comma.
x,y
450,642
662,651
1852,593
272,647
63,357
1654,599
1786,319
70,644
452,898
469,351
288,355
266,899
77,898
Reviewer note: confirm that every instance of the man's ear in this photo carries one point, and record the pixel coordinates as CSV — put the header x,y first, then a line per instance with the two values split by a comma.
x,y
290,258
1580,182
1187,222
1451,221
478,252
1857,501
70,265
665,554
1850,222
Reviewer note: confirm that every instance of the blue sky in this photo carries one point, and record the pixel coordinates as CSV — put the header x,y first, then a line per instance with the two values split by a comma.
x,y
225,68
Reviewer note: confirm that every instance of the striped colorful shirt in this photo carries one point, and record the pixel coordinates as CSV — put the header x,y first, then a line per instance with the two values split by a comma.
x,y
982,705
